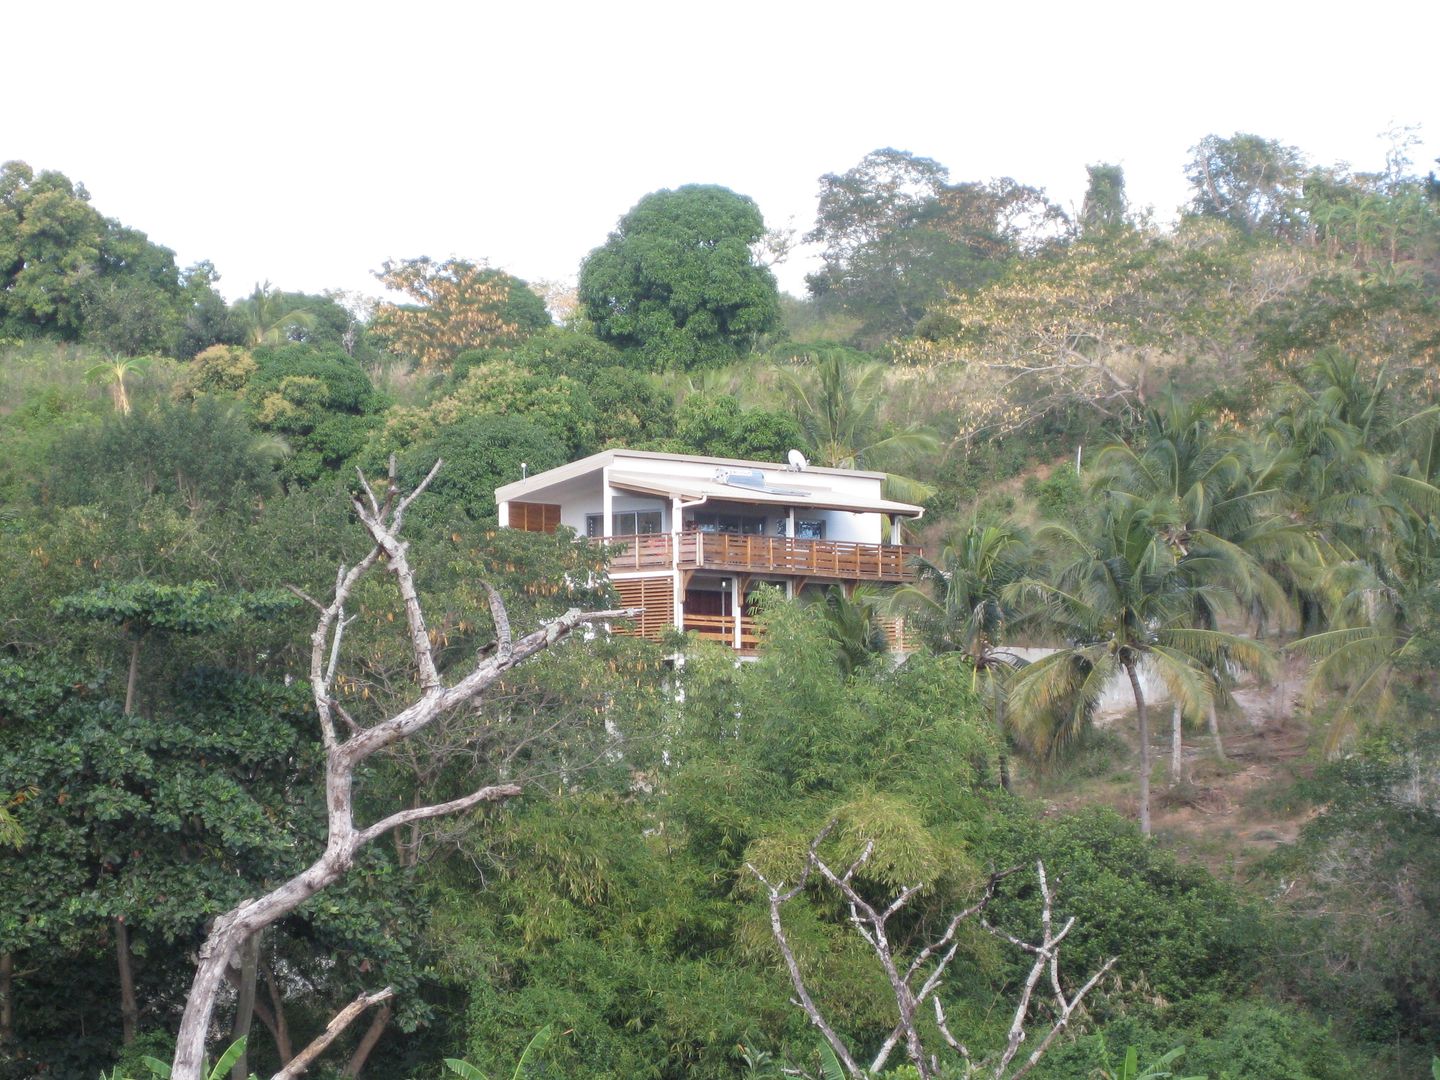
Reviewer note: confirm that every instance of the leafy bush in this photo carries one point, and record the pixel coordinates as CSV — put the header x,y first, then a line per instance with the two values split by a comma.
x,y
480,454
1174,927
1360,943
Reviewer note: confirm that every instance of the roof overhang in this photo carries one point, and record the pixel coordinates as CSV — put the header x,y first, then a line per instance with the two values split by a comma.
x,y
810,495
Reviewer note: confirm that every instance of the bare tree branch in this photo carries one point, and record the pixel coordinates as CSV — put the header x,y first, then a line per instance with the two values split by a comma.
x,y
302,1061
382,519
493,793
870,923
777,899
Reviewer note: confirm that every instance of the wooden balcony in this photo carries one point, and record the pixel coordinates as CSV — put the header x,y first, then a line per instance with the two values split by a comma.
x,y
721,629
899,635
838,559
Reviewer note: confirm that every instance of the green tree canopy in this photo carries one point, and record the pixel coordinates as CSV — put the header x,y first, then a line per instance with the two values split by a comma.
x,y
897,235
480,453
65,270
1251,182
1105,205
676,281
319,399
718,426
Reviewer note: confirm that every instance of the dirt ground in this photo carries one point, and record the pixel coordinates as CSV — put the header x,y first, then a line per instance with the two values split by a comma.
x,y
1226,815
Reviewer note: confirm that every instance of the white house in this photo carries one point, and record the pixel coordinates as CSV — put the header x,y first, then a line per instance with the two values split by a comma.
x,y
697,534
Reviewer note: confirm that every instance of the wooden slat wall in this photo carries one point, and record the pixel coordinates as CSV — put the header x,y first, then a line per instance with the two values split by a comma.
x,y
535,517
657,596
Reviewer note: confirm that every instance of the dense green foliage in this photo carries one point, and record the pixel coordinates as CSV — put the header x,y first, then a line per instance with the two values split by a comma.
x,y
1178,449
676,281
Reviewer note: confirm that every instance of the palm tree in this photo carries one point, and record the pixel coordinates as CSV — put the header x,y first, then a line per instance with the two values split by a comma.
x,y
855,634
1204,476
1123,599
115,371
839,410
1323,451
266,319
958,606
1375,611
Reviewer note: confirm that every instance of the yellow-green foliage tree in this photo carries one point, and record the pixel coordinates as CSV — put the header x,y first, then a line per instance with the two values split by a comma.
x,y
457,305
1097,326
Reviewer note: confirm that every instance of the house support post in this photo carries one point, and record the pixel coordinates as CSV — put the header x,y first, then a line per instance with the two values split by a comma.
x,y
736,606
607,504
680,580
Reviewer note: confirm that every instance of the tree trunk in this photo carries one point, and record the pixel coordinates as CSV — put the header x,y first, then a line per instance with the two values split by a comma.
x,y
367,1042
1000,733
131,679
279,1026
7,997
1214,721
1144,718
245,1002
1177,746
231,931
129,1009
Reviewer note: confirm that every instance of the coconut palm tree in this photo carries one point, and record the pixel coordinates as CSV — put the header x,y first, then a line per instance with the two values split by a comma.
x,y
1376,610
839,410
267,319
1324,451
1204,477
855,633
958,606
1123,599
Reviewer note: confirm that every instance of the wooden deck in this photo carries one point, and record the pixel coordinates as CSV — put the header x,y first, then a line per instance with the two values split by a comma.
x,y
721,629
838,559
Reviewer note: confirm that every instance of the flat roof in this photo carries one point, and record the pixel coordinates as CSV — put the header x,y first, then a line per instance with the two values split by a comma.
x,y
820,496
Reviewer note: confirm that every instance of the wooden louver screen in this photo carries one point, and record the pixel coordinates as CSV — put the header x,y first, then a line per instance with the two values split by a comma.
x,y
535,517
657,596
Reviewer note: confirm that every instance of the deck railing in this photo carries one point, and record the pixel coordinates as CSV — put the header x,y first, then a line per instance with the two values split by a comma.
x,y
900,635
842,559
721,628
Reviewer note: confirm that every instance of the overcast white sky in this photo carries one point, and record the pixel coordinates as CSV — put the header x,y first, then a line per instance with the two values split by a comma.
x,y
305,143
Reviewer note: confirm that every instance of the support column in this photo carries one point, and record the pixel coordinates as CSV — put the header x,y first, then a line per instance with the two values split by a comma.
x,y
737,604
607,503
677,590
502,513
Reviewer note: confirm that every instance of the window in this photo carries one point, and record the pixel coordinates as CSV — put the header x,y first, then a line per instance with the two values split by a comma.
x,y
738,524
810,530
625,523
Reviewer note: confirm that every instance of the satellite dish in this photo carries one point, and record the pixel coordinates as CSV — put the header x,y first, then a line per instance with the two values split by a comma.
x,y
797,461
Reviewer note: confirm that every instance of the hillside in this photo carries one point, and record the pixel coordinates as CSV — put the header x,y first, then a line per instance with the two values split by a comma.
x,y
1197,463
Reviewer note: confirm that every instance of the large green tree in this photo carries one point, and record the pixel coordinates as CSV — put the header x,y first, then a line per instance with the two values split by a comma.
x,y
897,235
67,271
1252,182
677,282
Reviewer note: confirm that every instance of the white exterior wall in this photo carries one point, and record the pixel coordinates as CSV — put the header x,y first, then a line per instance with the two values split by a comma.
x,y
583,494
573,513
843,525
1117,696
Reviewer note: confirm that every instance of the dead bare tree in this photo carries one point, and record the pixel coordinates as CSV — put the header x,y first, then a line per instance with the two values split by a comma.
x,y
919,981
383,518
